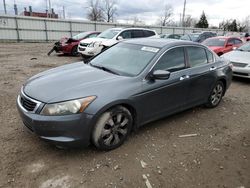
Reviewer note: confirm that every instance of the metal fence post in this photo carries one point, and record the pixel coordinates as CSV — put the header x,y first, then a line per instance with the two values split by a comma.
x,y
70,26
17,30
46,30
173,30
95,25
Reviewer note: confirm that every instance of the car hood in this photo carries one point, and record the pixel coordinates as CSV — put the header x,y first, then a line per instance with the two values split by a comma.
x,y
90,40
238,56
68,82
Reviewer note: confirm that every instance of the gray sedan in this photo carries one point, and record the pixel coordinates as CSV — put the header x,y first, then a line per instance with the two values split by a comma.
x,y
121,89
240,59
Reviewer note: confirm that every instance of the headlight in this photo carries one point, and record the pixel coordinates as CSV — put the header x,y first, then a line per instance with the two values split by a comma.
x,y
94,44
68,107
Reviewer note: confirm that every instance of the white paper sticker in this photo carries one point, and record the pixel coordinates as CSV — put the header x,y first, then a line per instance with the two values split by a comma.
x,y
150,49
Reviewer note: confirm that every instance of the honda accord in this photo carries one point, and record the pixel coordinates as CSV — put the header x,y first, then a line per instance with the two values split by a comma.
x,y
128,85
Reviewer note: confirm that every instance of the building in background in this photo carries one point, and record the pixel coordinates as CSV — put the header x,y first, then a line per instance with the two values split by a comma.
x,y
39,14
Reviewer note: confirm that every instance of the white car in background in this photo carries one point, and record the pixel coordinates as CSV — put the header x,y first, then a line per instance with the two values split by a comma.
x,y
240,58
93,46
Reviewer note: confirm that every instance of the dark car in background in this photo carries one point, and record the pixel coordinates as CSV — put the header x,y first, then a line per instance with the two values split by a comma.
x,y
170,36
69,45
198,37
221,45
128,85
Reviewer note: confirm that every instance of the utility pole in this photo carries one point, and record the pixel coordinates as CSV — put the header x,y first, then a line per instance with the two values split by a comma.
x,y
63,12
50,13
15,8
183,15
4,5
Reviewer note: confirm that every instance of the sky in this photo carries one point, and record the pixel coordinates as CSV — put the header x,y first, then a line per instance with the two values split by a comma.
x,y
147,11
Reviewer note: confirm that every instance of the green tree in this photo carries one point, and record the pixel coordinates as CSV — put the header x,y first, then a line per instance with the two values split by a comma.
x,y
203,23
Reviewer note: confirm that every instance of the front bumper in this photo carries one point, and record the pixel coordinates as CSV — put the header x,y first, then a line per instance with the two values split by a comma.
x,y
68,130
87,51
241,72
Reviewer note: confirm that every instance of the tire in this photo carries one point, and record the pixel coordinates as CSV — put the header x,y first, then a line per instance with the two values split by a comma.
x,y
216,95
112,128
74,51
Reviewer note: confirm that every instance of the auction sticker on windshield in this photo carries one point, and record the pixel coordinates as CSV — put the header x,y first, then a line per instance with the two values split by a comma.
x,y
150,49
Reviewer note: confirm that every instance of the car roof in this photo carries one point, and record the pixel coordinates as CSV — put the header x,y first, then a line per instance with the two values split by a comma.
x,y
159,42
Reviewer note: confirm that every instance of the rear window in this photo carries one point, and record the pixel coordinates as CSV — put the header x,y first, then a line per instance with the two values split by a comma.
x,y
137,34
197,56
148,33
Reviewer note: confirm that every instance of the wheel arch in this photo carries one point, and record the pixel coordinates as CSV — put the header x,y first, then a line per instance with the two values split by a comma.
x,y
125,103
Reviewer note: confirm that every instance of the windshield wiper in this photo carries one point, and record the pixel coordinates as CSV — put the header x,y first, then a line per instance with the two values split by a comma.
x,y
104,69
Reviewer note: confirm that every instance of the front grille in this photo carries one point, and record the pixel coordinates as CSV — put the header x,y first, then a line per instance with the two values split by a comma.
x,y
27,104
239,64
240,73
84,44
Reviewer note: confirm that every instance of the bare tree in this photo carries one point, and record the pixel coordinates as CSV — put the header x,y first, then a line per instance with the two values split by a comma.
x,y
109,9
95,11
189,21
165,19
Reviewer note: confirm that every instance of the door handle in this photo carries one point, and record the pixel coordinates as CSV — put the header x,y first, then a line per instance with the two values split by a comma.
x,y
184,77
212,68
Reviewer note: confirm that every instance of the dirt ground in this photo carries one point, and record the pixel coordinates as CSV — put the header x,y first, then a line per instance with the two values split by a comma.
x,y
219,156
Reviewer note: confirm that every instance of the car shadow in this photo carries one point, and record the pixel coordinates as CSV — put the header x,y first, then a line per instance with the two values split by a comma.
x,y
241,80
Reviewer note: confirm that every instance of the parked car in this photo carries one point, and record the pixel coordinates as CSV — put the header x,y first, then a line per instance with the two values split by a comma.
x,y
198,37
240,58
221,45
170,36
126,86
69,45
94,46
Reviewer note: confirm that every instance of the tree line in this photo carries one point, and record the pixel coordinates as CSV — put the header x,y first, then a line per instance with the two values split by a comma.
x,y
106,11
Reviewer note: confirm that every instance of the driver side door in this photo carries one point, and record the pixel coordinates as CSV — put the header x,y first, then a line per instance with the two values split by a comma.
x,y
160,98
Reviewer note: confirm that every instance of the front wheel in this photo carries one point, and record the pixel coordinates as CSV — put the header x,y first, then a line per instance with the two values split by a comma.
x,y
74,51
216,95
112,128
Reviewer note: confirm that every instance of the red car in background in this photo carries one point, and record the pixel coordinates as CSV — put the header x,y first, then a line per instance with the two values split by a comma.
x,y
221,45
69,45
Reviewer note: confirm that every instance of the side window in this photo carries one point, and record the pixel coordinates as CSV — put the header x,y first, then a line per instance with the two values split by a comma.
x,y
230,42
237,41
148,33
126,34
196,56
210,56
137,34
172,60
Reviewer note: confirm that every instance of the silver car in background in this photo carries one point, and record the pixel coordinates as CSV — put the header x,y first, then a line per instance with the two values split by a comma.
x,y
240,59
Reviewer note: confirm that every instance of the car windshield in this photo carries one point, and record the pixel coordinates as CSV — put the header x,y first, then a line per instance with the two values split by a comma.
x,y
245,47
80,36
109,34
215,42
194,37
185,37
125,59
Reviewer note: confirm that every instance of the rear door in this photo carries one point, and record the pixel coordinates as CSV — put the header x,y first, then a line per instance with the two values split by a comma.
x,y
202,73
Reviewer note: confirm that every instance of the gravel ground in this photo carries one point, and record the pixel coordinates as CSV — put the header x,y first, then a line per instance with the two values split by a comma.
x,y
218,156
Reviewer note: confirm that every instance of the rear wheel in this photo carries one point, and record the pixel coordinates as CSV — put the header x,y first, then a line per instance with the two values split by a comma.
x,y
112,128
216,95
74,51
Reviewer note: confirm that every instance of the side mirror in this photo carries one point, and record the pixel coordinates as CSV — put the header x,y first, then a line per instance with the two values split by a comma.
x,y
119,38
160,75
